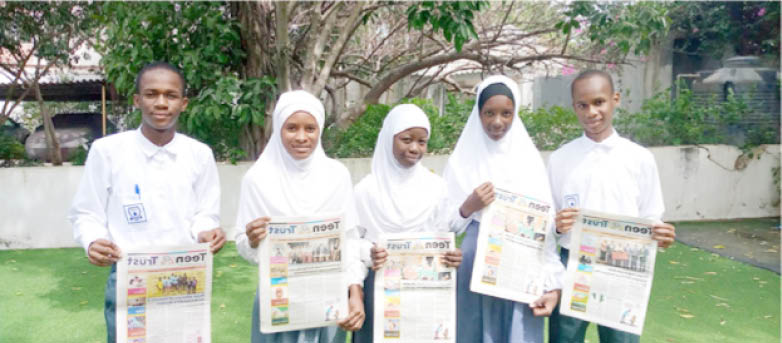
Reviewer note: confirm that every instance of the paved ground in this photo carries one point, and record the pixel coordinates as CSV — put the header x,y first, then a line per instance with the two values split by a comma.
x,y
753,241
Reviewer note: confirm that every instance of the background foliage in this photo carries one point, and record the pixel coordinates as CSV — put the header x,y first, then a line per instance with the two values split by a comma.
x,y
662,120
200,39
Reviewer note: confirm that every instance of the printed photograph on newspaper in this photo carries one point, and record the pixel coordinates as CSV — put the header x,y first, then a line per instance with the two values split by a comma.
x,y
302,274
415,293
509,255
164,295
609,277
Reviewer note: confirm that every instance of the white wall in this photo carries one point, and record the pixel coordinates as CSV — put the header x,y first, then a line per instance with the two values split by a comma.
x,y
698,183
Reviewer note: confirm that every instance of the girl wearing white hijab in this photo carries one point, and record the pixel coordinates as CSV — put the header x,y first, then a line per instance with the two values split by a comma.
x,y
292,178
494,149
399,195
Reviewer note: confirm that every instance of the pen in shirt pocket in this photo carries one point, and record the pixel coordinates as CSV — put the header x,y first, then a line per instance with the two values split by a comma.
x,y
138,192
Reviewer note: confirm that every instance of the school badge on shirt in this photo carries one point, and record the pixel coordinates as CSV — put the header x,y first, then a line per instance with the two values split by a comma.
x,y
134,213
571,201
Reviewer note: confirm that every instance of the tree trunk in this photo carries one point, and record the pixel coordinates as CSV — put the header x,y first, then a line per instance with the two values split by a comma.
x,y
254,18
52,144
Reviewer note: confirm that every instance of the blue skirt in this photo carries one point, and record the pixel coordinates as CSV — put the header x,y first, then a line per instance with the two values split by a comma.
x,y
483,318
328,334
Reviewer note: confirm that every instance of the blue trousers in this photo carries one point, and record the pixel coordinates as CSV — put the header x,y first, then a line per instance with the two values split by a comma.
x,y
565,329
110,306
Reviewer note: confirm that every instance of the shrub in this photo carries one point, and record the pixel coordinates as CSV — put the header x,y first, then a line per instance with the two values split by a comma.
x,y
551,127
10,148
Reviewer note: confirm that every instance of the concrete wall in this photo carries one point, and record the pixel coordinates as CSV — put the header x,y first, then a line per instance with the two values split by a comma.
x,y
705,182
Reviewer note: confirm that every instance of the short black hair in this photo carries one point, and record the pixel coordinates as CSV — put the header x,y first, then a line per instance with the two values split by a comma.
x,y
160,65
590,73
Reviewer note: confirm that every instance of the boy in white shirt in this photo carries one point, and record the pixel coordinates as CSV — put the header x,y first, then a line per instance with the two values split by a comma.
x,y
150,186
604,172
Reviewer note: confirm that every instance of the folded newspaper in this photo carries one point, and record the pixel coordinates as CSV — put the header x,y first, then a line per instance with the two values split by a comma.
x,y
610,271
415,293
510,254
164,295
302,273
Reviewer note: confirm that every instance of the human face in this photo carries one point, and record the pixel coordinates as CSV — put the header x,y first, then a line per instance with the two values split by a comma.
x,y
160,99
300,135
594,103
497,116
410,146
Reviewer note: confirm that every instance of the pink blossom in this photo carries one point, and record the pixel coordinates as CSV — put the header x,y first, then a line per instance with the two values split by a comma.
x,y
610,66
695,30
761,12
603,52
568,70
612,43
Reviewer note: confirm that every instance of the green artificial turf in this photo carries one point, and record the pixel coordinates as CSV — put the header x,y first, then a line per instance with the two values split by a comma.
x,y
55,295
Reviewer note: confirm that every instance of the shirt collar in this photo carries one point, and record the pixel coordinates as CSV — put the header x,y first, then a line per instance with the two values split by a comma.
x,y
607,144
151,149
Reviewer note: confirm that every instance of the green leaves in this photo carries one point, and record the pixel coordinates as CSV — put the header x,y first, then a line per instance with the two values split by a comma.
x,y
454,18
624,26
550,127
204,42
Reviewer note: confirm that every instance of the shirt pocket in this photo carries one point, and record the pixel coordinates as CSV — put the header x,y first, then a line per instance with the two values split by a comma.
x,y
132,209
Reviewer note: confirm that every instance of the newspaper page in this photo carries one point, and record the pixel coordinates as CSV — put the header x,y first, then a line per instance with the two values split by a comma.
x,y
164,295
415,293
302,274
609,275
509,257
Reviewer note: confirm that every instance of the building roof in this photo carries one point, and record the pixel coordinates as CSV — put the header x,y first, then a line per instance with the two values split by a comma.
x,y
78,88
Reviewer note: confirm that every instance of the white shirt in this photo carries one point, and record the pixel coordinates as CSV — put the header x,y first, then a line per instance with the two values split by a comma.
x,y
615,176
136,194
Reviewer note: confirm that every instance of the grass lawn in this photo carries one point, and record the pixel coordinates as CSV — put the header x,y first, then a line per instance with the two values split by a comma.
x,y
55,295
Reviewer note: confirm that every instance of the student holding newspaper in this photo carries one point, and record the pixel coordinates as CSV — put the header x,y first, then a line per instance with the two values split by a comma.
x,y
294,178
604,172
494,150
399,195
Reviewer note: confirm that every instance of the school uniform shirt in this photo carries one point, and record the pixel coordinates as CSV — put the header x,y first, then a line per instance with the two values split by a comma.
x,y
136,194
614,176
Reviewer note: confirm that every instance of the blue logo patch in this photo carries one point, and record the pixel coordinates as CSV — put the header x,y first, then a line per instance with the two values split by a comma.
x,y
135,214
571,201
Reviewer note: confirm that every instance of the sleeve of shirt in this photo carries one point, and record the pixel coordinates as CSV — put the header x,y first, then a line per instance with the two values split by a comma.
x,y
207,192
451,217
555,196
652,205
244,216
88,211
357,270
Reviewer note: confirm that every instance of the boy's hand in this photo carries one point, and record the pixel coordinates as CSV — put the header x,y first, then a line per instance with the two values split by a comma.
x,y
215,238
452,258
545,304
664,234
355,318
256,231
379,257
565,220
103,252
481,197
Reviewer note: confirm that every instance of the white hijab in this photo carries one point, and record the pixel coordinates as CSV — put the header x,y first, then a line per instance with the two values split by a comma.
x,y
513,163
279,185
393,198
